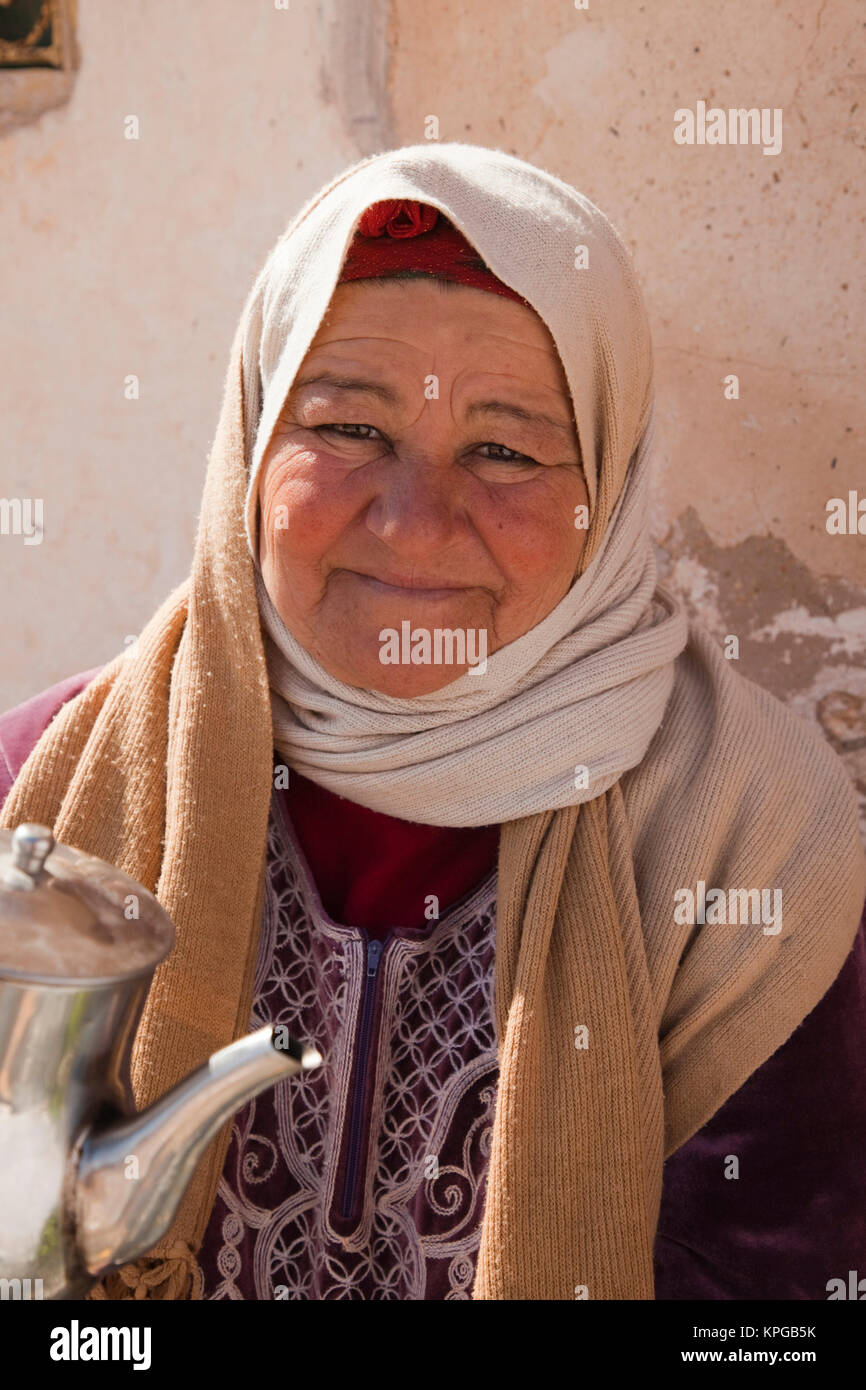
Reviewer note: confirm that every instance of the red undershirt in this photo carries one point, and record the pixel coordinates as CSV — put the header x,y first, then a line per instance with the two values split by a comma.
x,y
376,871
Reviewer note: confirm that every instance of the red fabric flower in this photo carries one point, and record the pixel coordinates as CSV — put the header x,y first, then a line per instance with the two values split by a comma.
x,y
382,245
399,217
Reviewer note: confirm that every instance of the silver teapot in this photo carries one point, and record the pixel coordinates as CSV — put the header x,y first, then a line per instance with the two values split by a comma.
x,y
87,1184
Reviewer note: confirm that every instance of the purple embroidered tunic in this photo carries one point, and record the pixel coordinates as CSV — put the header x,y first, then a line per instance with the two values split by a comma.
x,y
365,1178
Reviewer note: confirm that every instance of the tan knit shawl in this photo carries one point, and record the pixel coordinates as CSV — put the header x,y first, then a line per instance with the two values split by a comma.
x,y
163,765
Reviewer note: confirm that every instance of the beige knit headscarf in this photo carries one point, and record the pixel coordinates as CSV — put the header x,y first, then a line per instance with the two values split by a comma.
x,y
506,745
621,1030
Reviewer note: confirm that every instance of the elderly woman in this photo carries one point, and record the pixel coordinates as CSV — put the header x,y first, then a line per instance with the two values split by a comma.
x,y
425,765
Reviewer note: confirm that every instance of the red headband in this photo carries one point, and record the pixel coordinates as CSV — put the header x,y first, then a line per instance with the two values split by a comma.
x,y
399,234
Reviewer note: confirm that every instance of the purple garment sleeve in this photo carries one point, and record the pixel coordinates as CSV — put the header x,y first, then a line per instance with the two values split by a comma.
x,y
795,1216
21,727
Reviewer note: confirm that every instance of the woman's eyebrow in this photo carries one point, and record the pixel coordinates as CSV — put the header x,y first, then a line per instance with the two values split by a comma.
x,y
518,412
349,383
392,397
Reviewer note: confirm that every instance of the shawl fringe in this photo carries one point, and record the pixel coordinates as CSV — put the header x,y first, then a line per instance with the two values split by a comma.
x,y
175,1276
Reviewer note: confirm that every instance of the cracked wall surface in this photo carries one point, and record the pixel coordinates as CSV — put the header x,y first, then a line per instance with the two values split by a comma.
x,y
135,257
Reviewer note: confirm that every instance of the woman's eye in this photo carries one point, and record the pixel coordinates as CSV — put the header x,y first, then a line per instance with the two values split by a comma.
x,y
498,453
506,455
348,431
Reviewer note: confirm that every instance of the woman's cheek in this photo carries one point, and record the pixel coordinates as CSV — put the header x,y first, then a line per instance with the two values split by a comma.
x,y
298,502
532,535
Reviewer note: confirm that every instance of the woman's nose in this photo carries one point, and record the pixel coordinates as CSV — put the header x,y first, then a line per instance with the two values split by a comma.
x,y
415,509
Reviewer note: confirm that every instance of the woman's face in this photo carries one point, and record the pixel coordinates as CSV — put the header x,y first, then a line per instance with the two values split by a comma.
x,y
425,471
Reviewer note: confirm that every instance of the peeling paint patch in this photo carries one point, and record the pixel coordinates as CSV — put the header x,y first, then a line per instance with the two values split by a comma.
x,y
694,582
843,716
802,637
844,632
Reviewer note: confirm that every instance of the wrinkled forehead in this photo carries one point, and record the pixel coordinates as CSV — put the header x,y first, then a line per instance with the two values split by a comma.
x,y
435,336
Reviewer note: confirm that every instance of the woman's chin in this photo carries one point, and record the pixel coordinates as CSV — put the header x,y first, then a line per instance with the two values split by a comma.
x,y
401,681
399,655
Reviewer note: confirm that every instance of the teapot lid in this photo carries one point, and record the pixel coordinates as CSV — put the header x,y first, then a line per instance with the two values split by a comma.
x,y
70,918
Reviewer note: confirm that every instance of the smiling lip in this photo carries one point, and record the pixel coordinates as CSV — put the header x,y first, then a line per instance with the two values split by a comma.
x,y
421,588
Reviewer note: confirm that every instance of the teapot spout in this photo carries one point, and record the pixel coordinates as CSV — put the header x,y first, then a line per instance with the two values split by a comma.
x,y
133,1173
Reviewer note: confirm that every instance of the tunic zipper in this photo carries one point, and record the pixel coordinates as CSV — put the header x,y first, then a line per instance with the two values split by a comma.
x,y
362,1063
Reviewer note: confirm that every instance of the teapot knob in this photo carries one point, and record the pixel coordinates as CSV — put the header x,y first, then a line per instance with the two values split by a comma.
x,y
31,846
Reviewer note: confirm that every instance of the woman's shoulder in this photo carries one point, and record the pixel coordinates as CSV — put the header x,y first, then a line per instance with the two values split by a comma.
x,y
22,726
733,778
725,738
